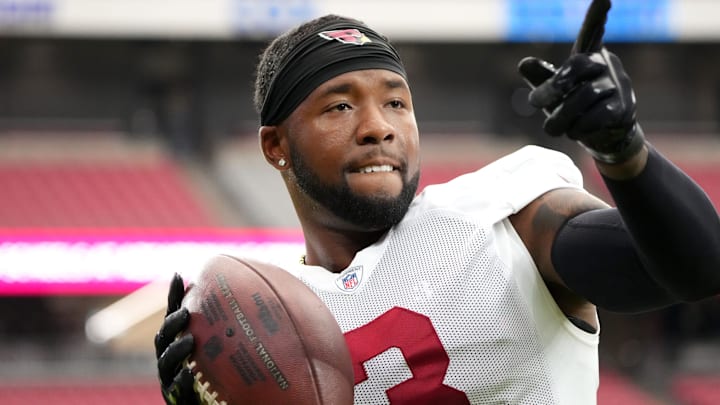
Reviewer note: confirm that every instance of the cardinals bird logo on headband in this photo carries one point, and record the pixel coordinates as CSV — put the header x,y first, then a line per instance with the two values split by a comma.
x,y
347,36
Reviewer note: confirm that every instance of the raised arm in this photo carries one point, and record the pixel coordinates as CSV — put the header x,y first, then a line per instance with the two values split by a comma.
x,y
661,244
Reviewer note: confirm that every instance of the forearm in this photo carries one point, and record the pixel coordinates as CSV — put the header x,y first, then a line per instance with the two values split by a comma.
x,y
673,225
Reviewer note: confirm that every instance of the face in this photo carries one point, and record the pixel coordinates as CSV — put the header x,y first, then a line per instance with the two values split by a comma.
x,y
353,148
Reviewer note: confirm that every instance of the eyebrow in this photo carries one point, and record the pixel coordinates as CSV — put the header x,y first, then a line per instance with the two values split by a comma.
x,y
344,88
395,84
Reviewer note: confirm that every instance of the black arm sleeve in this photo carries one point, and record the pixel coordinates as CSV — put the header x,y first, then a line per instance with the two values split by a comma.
x,y
660,246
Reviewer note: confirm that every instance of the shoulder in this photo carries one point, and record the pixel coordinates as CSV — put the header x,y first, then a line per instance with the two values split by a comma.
x,y
533,154
505,186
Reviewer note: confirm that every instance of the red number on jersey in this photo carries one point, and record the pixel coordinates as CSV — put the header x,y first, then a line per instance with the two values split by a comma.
x,y
424,354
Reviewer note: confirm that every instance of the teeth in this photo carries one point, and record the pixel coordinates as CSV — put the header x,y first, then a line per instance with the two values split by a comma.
x,y
374,169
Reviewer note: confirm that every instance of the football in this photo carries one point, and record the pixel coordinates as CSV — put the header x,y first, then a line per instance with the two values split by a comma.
x,y
263,337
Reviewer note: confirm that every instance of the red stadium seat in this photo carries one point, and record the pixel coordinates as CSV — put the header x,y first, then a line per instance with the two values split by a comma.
x,y
697,389
618,390
142,392
82,194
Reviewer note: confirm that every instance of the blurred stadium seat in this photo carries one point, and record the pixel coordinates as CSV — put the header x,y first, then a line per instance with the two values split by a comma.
x,y
115,195
697,389
616,389
115,185
141,392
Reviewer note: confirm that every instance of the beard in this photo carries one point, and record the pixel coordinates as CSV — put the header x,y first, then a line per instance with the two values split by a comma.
x,y
369,212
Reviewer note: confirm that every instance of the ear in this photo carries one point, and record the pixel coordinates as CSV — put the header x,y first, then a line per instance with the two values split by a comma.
x,y
273,146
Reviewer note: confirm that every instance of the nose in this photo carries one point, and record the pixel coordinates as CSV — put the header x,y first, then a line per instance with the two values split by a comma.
x,y
374,127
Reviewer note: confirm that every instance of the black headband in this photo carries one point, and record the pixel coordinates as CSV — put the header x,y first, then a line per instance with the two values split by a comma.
x,y
335,49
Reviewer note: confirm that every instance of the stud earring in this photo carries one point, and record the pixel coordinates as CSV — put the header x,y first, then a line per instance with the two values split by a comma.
x,y
282,162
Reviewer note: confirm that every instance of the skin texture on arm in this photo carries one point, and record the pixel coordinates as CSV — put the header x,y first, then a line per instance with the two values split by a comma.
x,y
637,257
537,224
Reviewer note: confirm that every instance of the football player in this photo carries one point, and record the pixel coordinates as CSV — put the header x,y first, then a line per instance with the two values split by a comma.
x,y
484,289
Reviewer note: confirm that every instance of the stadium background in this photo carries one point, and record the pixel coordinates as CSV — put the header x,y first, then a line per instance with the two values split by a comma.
x,y
128,151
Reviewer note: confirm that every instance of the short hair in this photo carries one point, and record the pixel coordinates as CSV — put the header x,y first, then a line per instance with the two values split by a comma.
x,y
278,49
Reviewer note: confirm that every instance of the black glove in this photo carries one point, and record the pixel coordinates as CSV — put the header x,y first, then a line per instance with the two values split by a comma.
x,y
177,382
589,98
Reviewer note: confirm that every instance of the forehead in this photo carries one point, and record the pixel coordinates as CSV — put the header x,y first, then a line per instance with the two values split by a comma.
x,y
372,78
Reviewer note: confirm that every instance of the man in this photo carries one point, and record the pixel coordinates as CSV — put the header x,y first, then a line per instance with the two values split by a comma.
x,y
483,289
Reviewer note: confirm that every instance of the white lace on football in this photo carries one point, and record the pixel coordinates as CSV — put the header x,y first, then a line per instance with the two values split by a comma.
x,y
207,396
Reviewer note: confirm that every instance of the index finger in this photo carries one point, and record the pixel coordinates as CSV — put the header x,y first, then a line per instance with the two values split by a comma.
x,y
591,33
176,292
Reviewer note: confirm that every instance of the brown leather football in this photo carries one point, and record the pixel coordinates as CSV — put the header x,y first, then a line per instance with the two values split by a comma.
x,y
263,337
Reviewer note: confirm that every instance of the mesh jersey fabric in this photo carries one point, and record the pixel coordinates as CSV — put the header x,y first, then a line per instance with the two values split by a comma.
x,y
449,308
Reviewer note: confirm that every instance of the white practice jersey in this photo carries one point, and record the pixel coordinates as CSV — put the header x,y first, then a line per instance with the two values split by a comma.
x,y
449,308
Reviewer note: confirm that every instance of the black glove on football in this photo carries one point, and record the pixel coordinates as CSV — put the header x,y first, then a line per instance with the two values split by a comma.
x,y
177,382
589,98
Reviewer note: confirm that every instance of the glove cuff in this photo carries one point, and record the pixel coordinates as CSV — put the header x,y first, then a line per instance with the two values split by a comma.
x,y
623,150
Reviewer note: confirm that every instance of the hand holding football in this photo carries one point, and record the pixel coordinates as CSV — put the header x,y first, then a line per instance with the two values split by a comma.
x,y
263,337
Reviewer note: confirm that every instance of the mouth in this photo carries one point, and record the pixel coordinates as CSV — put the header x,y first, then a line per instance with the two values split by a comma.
x,y
375,164
379,176
376,169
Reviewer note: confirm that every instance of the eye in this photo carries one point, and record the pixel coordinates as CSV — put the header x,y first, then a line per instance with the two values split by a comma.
x,y
341,107
396,104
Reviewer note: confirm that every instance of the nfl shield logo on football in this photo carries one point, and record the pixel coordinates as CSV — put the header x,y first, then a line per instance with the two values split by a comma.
x,y
350,279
